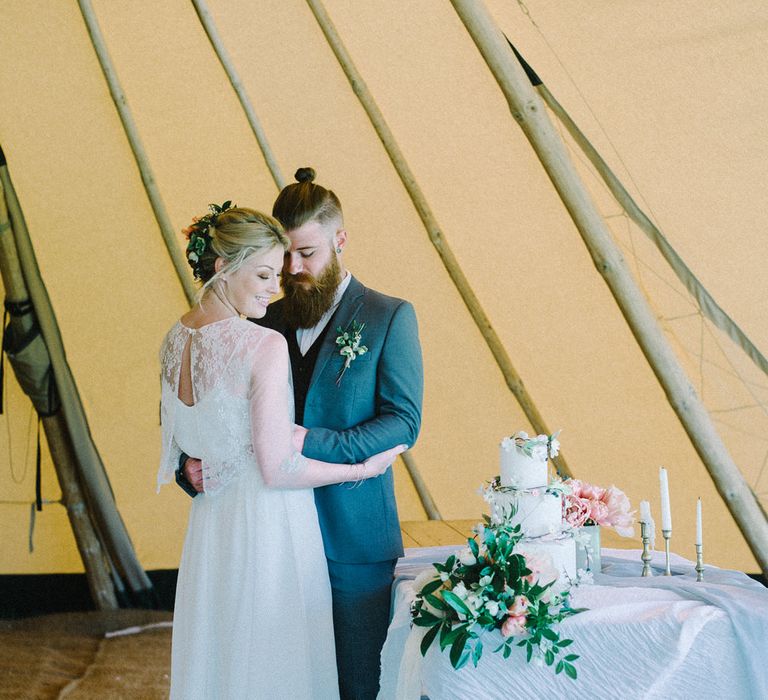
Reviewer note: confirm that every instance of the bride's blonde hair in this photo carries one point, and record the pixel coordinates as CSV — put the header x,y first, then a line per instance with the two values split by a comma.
x,y
237,234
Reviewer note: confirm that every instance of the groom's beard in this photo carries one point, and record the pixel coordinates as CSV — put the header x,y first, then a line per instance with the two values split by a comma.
x,y
306,298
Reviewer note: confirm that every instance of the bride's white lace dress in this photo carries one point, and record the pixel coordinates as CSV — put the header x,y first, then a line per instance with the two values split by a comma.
x,y
253,605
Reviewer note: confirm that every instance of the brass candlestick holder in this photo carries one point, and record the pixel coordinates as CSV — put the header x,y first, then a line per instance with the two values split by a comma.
x,y
646,555
699,563
667,536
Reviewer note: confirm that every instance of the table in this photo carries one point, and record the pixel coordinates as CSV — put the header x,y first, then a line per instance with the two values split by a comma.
x,y
660,637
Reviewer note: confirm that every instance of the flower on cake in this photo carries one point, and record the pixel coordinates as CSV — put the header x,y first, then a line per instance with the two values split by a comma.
x,y
593,505
539,446
494,585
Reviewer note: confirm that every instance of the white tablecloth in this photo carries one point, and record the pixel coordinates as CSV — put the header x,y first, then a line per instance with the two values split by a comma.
x,y
660,637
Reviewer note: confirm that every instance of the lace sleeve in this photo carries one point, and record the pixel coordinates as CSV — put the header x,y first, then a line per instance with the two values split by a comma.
x,y
271,410
170,452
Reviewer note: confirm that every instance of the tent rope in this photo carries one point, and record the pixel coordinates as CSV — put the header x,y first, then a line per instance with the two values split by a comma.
x,y
528,110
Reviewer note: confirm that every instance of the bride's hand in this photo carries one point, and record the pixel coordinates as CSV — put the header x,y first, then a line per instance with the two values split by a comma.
x,y
377,464
299,433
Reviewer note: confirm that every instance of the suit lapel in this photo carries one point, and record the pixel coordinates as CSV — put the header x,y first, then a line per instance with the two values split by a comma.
x,y
345,313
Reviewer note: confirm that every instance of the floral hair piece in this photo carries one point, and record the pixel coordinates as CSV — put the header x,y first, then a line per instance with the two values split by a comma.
x,y
199,237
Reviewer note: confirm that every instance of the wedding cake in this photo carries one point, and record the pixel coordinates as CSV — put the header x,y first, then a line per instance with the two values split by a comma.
x,y
524,496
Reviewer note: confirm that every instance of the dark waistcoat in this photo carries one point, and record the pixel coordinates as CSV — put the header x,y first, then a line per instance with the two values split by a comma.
x,y
302,367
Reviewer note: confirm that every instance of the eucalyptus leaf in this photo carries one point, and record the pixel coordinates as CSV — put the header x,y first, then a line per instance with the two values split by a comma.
x,y
429,637
455,602
431,587
549,634
457,649
426,619
570,671
446,639
435,601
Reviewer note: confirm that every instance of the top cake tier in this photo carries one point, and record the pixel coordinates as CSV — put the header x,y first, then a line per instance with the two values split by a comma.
x,y
520,470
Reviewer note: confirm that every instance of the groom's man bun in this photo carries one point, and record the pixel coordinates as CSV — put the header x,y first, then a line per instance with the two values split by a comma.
x,y
304,201
305,174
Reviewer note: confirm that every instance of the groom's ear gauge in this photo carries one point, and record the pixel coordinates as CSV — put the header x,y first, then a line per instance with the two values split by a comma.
x,y
341,239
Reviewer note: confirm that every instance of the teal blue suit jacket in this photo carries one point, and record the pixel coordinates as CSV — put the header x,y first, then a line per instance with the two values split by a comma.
x,y
377,405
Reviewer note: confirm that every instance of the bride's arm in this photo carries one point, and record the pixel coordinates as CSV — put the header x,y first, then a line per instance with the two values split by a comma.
x,y
271,408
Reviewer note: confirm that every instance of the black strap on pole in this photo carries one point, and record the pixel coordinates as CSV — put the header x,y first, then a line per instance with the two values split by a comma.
x,y
2,359
38,472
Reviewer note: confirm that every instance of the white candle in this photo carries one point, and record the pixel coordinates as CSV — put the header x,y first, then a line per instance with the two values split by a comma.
x,y
698,522
650,526
666,513
645,512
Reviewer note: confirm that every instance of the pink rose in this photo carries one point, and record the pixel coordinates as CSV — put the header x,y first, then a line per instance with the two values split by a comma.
x,y
519,606
513,626
618,514
575,510
591,493
599,512
609,507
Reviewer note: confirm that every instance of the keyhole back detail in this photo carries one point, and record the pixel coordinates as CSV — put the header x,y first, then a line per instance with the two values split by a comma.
x,y
186,388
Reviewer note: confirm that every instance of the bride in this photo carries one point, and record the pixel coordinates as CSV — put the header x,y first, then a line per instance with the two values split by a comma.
x,y
252,617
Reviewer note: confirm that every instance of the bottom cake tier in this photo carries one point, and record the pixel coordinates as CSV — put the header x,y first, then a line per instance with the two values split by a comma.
x,y
553,556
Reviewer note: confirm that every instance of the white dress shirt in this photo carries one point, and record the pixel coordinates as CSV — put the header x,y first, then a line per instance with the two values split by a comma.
x,y
306,336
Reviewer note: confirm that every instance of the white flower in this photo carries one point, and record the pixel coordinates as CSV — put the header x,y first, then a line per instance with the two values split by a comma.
x,y
492,607
444,575
554,447
479,529
460,590
539,452
466,557
485,580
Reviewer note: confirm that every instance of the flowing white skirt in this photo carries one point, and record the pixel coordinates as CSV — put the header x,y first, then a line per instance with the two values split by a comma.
x,y
253,616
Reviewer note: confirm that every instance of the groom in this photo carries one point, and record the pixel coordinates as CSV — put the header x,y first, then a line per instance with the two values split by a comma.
x,y
349,412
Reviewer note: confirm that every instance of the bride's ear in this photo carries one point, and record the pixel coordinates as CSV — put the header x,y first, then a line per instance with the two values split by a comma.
x,y
218,265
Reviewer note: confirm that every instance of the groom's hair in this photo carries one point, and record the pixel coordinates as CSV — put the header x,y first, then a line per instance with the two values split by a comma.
x,y
304,201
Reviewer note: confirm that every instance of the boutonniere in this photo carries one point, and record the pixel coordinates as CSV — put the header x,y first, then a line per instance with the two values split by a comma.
x,y
349,345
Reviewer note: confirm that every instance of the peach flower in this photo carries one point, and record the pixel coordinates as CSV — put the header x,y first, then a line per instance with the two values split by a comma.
x,y
513,626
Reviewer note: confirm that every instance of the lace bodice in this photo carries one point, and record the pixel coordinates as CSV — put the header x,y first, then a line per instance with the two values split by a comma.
x,y
242,415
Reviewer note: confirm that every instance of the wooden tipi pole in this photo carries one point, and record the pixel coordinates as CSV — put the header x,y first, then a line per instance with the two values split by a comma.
x,y
706,302
170,237
92,475
528,110
209,25
222,54
91,552
434,231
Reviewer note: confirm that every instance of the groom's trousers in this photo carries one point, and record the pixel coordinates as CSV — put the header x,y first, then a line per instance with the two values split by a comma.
x,y
361,600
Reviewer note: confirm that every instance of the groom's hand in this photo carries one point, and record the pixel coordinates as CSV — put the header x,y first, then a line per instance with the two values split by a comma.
x,y
193,470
